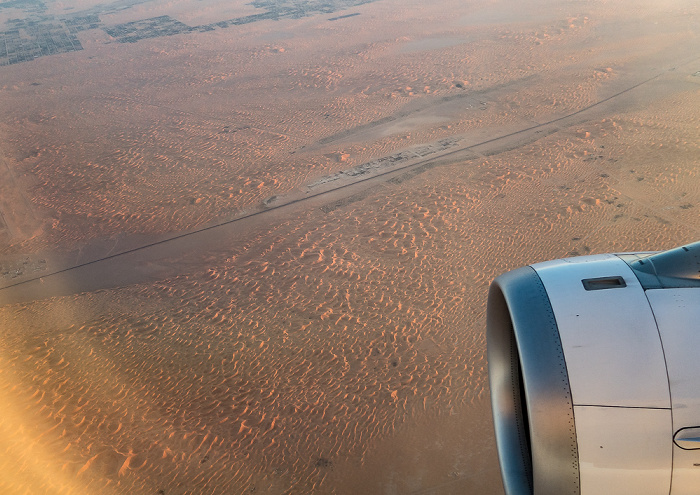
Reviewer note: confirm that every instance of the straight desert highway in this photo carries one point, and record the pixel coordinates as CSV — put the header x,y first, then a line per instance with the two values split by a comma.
x,y
172,255
246,247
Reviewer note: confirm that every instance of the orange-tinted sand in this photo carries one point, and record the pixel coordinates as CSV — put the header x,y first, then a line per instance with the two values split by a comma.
x,y
329,345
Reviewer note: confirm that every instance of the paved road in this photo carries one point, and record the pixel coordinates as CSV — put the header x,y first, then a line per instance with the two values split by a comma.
x,y
176,254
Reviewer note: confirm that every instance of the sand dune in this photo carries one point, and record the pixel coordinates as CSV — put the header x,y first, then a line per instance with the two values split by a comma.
x,y
337,346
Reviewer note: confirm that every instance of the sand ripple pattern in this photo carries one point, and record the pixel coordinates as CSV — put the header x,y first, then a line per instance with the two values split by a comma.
x,y
313,339
267,372
317,337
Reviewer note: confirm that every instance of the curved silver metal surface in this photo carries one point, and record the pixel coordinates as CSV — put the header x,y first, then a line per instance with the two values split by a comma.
x,y
687,438
675,268
530,394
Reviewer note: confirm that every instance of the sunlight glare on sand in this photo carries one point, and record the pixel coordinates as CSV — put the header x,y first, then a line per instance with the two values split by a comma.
x,y
373,168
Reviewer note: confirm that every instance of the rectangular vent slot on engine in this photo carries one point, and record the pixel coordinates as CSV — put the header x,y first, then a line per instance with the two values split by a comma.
x,y
603,283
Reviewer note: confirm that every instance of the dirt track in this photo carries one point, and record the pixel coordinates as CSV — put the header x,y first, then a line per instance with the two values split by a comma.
x,y
283,318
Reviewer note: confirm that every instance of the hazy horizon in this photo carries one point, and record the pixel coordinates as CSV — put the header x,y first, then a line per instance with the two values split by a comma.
x,y
246,247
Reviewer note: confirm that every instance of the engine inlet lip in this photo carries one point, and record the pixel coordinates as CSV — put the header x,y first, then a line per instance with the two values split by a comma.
x,y
530,393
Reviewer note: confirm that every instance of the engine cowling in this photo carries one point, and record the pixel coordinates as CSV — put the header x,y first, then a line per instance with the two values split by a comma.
x,y
594,369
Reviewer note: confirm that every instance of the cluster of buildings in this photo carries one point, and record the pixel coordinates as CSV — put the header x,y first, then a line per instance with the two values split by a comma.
x,y
27,40
40,35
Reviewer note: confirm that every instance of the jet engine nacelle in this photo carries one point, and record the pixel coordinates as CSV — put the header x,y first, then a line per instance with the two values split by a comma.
x,y
594,368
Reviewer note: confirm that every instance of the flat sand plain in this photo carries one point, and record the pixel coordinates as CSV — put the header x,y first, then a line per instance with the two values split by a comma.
x,y
316,343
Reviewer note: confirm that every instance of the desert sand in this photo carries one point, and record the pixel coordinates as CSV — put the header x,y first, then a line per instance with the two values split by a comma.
x,y
246,248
